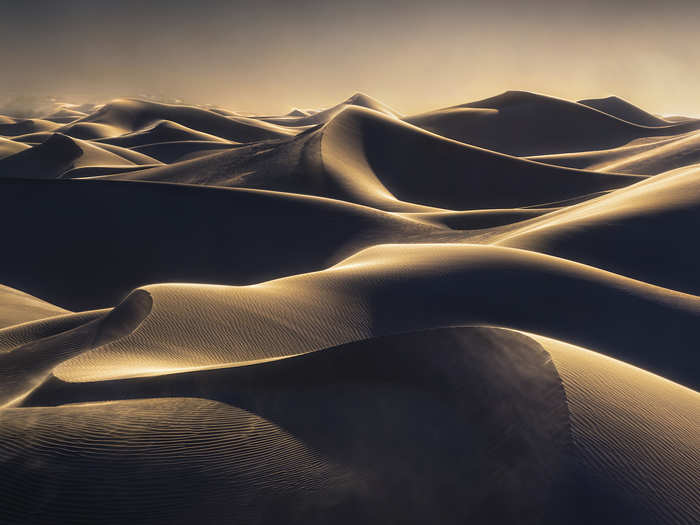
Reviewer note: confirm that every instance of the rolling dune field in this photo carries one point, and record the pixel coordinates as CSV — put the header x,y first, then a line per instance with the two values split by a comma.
x,y
485,313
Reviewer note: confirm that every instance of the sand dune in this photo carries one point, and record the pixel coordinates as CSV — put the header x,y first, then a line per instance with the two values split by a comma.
x,y
60,153
134,115
365,157
640,231
624,110
11,127
10,147
521,123
162,131
345,316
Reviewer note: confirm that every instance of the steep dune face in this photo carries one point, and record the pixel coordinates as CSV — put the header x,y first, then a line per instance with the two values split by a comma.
x,y
641,231
339,316
521,123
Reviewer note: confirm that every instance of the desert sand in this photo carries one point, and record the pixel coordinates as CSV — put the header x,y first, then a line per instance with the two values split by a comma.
x,y
487,313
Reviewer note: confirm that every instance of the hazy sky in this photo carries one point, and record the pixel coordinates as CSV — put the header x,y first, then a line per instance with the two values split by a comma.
x,y
268,56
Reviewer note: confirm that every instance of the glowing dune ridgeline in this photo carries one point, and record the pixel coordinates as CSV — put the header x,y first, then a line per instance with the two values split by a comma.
x,y
487,313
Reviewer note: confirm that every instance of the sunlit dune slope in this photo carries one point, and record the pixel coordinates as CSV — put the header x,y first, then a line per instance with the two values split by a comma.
x,y
522,123
368,158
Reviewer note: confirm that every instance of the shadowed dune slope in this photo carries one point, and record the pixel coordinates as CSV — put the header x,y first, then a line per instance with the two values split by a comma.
x,y
521,123
125,234
643,231
365,157
397,288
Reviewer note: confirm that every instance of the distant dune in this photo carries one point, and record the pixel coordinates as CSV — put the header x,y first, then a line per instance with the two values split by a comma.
x,y
486,313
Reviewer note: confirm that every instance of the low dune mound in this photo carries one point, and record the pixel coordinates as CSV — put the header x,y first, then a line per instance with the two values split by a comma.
x,y
59,154
132,234
395,288
641,231
163,131
10,147
624,110
365,157
135,115
385,418
635,437
521,123
11,127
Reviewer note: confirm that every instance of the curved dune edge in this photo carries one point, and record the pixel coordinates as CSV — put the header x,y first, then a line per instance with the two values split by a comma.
x,y
25,367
